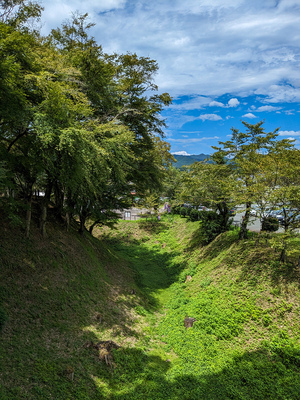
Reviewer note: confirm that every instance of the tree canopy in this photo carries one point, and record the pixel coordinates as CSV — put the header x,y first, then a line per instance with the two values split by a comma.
x,y
81,126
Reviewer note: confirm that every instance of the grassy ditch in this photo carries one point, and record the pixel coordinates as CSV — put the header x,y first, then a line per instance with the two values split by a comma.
x,y
134,286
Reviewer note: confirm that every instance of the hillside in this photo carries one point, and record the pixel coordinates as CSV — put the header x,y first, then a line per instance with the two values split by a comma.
x,y
188,160
134,286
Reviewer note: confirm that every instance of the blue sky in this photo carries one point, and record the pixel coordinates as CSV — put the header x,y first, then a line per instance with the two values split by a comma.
x,y
222,61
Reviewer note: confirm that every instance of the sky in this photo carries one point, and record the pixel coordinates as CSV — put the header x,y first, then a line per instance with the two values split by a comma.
x,y
222,61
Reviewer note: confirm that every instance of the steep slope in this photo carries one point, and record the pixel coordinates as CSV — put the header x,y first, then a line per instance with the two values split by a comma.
x,y
134,286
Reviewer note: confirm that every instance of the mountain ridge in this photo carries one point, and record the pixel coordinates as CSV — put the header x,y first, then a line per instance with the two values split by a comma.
x,y
188,159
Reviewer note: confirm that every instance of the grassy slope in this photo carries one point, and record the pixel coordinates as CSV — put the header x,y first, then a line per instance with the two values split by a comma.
x,y
64,291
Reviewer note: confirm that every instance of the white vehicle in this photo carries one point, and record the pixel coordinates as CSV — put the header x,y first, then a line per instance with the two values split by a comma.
x,y
253,211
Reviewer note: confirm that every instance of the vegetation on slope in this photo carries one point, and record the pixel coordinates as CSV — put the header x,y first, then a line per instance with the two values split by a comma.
x,y
130,285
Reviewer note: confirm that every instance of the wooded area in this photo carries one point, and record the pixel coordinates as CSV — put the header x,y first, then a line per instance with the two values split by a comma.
x,y
79,126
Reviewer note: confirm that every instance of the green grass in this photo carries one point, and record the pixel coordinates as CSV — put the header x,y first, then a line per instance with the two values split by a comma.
x,y
129,285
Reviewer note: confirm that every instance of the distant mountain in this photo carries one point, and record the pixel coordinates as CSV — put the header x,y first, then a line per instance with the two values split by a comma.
x,y
188,159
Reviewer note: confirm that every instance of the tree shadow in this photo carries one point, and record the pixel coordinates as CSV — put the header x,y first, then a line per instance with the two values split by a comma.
x,y
254,375
222,242
153,226
262,262
153,269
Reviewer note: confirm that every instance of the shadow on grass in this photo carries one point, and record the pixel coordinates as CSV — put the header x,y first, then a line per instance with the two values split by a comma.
x,y
258,261
255,375
222,242
53,292
153,227
154,268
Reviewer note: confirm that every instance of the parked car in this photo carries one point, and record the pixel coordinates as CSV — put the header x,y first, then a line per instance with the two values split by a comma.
x,y
285,214
254,210
274,213
204,208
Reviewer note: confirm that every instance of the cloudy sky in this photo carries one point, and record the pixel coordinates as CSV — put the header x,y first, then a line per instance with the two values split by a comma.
x,y
222,61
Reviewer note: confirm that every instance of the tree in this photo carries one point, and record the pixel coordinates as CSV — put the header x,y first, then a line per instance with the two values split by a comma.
x,y
210,184
18,97
79,123
19,13
244,151
118,88
286,194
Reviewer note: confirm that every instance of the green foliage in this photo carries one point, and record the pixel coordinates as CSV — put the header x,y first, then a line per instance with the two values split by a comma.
x,y
211,226
270,224
183,211
79,124
194,215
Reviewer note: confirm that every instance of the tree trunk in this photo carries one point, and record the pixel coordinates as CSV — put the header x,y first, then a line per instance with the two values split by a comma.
x,y
28,213
223,210
93,226
43,218
59,199
70,203
68,219
82,218
244,224
282,256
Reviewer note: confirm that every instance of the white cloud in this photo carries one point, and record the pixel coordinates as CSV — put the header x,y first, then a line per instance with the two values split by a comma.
x,y
58,11
181,153
216,104
192,140
267,109
249,115
289,133
209,117
194,103
233,103
225,46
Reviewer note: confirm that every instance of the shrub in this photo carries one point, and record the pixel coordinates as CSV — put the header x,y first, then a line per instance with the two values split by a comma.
x,y
194,215
270,224
211,226
183,211
175,210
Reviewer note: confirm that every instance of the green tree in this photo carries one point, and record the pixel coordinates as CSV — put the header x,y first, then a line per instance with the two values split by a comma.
x,y
79,123
243,152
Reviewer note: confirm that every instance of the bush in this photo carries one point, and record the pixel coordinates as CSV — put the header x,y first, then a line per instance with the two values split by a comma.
x,y
194,215
183,211
211,226
270,224
175,210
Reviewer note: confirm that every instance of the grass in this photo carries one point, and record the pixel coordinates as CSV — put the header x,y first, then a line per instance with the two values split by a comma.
x,y
129,285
